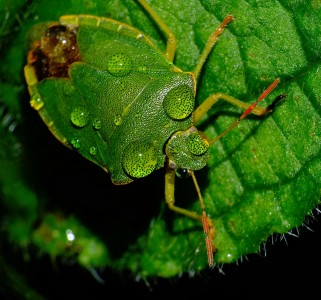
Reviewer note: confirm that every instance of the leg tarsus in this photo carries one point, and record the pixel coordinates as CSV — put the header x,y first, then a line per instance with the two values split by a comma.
x,y
275,102
207,223
210,44
209,237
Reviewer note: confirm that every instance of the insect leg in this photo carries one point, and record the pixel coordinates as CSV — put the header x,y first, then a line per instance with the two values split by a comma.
x,y
210,44
252,108
171,39
207,223
201,110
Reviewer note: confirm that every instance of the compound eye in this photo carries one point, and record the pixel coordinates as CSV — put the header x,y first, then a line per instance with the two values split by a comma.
x,y
182,173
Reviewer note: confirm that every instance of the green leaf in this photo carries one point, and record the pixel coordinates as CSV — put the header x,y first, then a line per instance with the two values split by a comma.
x,y
263,177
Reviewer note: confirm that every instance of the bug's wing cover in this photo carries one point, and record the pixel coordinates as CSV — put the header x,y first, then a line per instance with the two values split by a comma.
x,y
61,98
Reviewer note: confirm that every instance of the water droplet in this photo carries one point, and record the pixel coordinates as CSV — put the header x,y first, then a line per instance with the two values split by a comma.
x,y
97,124
36,101
93,150
142,69
119,65
179,102
80,116
70,235
75,142
139,159
118,120
196,144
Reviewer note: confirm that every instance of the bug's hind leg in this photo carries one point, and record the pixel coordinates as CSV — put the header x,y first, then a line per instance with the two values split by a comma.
x,y
207,223
171,39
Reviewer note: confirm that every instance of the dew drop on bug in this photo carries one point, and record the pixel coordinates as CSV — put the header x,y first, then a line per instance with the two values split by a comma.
x,y
36,101
93,150
75,142
118,120
142,69
119,65
79,116
139,159
196,144
97,124
70,237
179,102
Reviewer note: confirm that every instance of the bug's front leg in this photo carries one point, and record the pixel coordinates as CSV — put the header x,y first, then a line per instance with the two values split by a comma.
x,y
208,225
171,39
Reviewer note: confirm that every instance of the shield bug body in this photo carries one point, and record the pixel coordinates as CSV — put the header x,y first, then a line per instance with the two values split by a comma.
x,y
105,90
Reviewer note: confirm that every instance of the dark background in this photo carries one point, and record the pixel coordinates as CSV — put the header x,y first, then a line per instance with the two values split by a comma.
x,y
289,268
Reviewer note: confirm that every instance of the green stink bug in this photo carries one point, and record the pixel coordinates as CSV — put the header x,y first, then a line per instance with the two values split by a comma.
x,y
124,105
